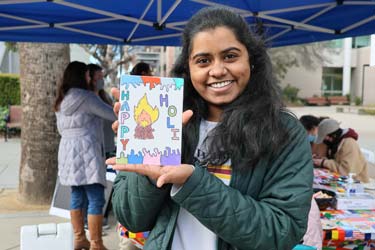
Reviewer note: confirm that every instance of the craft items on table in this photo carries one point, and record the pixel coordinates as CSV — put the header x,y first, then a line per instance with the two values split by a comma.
x,y
348,229
325,199
355,201
328,180
349,194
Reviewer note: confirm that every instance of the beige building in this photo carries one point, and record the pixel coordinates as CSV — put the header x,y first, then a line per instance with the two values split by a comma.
x,y
348,70
345,71
160,58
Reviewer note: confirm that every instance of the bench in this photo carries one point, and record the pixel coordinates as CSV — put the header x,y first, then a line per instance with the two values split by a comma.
x,y
320,101
13,119
338,100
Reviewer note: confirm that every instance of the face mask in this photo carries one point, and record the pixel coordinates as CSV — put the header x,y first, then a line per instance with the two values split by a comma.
x,y
311,138
100,84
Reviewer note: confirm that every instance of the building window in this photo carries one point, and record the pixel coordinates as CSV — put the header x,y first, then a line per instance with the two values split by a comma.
x,y
361,41
357,42
335,44
332,82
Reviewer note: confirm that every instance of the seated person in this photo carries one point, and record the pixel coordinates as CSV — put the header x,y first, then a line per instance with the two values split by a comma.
x,y
344,155
311,124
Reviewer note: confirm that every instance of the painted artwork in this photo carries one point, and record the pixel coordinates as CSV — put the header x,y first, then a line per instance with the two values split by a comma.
x,y
150,120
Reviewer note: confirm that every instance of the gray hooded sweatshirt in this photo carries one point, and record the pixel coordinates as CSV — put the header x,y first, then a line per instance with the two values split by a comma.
x,y
81,151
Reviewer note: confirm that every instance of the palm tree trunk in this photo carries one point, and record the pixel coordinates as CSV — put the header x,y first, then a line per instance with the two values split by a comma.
x,y
42,67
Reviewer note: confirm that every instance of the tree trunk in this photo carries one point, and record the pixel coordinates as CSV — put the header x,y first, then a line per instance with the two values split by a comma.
x,y
42,67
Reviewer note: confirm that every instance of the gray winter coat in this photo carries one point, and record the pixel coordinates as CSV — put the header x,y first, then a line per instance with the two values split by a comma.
x,y
81,152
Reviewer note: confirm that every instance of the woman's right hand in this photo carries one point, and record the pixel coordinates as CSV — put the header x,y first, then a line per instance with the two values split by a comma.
x,y
186,115
116,107
160,174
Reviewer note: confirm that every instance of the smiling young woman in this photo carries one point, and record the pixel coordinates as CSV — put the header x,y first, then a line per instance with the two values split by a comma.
x,y
246,181
220,71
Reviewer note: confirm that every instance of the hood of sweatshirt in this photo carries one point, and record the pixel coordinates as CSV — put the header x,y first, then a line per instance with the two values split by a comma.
x,y
350,133
73,100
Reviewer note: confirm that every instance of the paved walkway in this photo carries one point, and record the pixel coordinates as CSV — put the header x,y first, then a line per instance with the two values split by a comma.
x,y
10,153
14,214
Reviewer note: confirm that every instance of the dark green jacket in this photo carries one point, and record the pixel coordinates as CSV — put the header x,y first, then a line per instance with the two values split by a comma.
x,y
264,209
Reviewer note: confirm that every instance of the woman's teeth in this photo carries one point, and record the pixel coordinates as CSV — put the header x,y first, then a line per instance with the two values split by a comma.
x,y
220,84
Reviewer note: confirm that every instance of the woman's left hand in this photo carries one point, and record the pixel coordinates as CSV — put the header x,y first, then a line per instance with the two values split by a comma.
x,y
318,162
161,174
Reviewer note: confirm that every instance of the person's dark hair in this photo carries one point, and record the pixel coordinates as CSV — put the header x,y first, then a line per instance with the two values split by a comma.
x,y
336,134
334,144
141,68
105,97
74,77
321,118
92,69
309,121
250,126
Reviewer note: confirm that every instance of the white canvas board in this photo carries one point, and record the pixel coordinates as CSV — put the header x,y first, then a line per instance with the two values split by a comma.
x,y
150,120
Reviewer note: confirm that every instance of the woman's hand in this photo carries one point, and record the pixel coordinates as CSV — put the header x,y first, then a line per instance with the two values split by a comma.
x,y
161,174
318,162
116,108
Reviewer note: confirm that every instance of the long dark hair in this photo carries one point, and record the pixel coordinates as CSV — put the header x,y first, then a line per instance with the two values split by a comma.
x,y
333,146
250,126
309,121
92,69
74,77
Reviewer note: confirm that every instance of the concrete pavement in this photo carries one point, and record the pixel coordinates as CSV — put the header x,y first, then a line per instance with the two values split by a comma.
x,y
14,214
10,156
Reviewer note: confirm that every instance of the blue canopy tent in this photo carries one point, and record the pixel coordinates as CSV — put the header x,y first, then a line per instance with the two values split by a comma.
x,y
160,22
